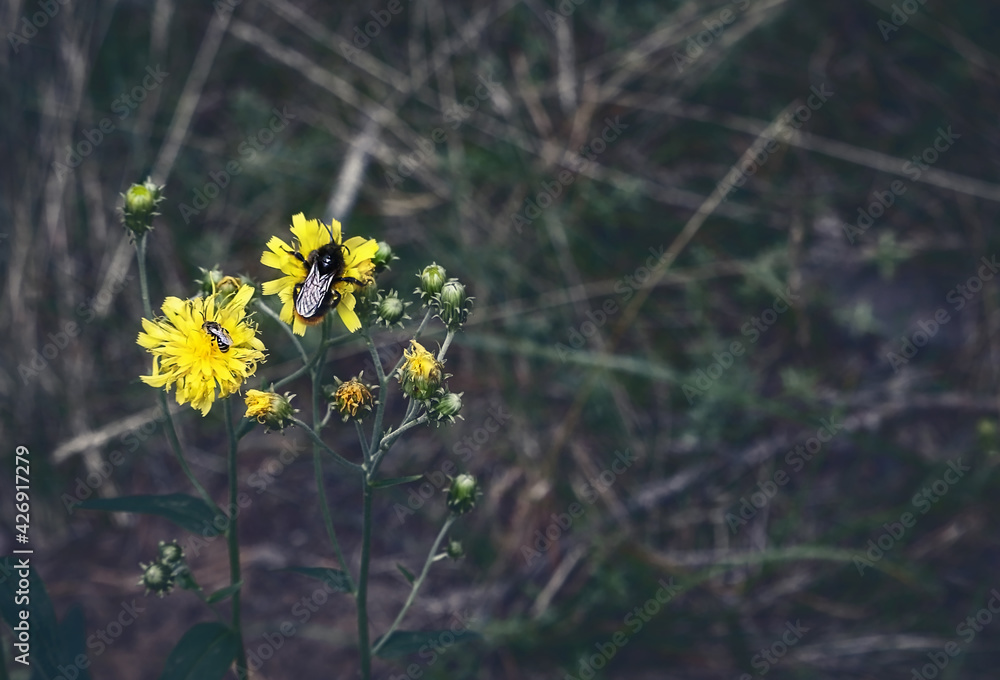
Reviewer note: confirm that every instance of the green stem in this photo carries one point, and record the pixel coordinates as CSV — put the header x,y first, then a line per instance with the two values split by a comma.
x,y
327,518
366,543
169,429
262,306
447,343
320,444
233,541
390,439
416,584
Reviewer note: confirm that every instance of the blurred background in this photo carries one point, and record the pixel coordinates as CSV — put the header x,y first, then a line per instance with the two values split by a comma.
x,y
735,341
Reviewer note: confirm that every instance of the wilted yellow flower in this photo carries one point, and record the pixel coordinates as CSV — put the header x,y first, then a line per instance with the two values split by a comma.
x,y
421,373
207,350
351,396
310,236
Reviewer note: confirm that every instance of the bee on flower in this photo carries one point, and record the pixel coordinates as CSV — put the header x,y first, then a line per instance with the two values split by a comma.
x,y
205,347
322,272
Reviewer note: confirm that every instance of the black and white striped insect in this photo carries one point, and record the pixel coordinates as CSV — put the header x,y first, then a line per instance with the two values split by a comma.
x,y
316,296
219,334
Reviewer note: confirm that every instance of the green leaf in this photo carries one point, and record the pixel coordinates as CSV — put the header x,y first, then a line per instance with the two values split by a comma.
x,y
403,642
204,653
405,572
185,511
224,593
73,633
383,483
335,578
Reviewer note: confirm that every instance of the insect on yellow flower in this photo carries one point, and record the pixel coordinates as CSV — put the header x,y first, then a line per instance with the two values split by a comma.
x,y
196,360
315,279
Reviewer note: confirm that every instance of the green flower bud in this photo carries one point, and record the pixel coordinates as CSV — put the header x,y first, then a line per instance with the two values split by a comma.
x,y
140,205
383,256
157,578
462,494
445,408
391,310
270,408
454,550
171,554
453,304
432,278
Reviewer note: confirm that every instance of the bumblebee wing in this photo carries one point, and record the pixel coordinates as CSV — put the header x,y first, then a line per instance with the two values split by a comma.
x,y
312,293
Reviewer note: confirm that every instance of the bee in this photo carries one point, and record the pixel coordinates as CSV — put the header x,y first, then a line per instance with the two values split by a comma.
x,y
219,334
316,296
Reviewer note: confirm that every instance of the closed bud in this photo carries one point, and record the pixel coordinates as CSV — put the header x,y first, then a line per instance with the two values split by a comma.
x,y
445,408
171,554
383,256
157,578
391,310
462,494
432,279
140,205
270,408
453,304
455,550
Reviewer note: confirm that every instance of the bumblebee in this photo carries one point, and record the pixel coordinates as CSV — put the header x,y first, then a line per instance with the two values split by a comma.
x,y
316,296
219,334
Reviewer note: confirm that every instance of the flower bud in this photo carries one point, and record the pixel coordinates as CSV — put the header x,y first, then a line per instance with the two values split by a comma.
x,y
454,550
171,554
432,278
453,304
391,310
157,578
383,256
348,397
140,205
421,374
445,407
462,494
270,408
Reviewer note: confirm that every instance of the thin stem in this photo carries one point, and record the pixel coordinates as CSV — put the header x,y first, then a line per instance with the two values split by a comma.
x,y
384,394
447,343
327,518
416,584
387,442
353,467
363,441
262,306
169,429
233,541
366,544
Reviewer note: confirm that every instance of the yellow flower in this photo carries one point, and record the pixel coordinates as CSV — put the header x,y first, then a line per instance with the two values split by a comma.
x,y
350,396
420,373
310,235
203,364
269,408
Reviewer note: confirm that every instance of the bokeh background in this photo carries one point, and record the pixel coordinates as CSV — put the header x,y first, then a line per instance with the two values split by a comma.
x,y
628,307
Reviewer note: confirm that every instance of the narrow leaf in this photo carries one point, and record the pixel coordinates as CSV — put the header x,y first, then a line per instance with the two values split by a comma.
x,y
204,653
403,642
224,593
185,511
384,483
405,572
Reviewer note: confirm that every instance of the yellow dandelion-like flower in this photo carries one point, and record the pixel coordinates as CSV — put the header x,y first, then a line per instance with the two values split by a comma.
x,y
350,396
310,236
421,373
207,349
